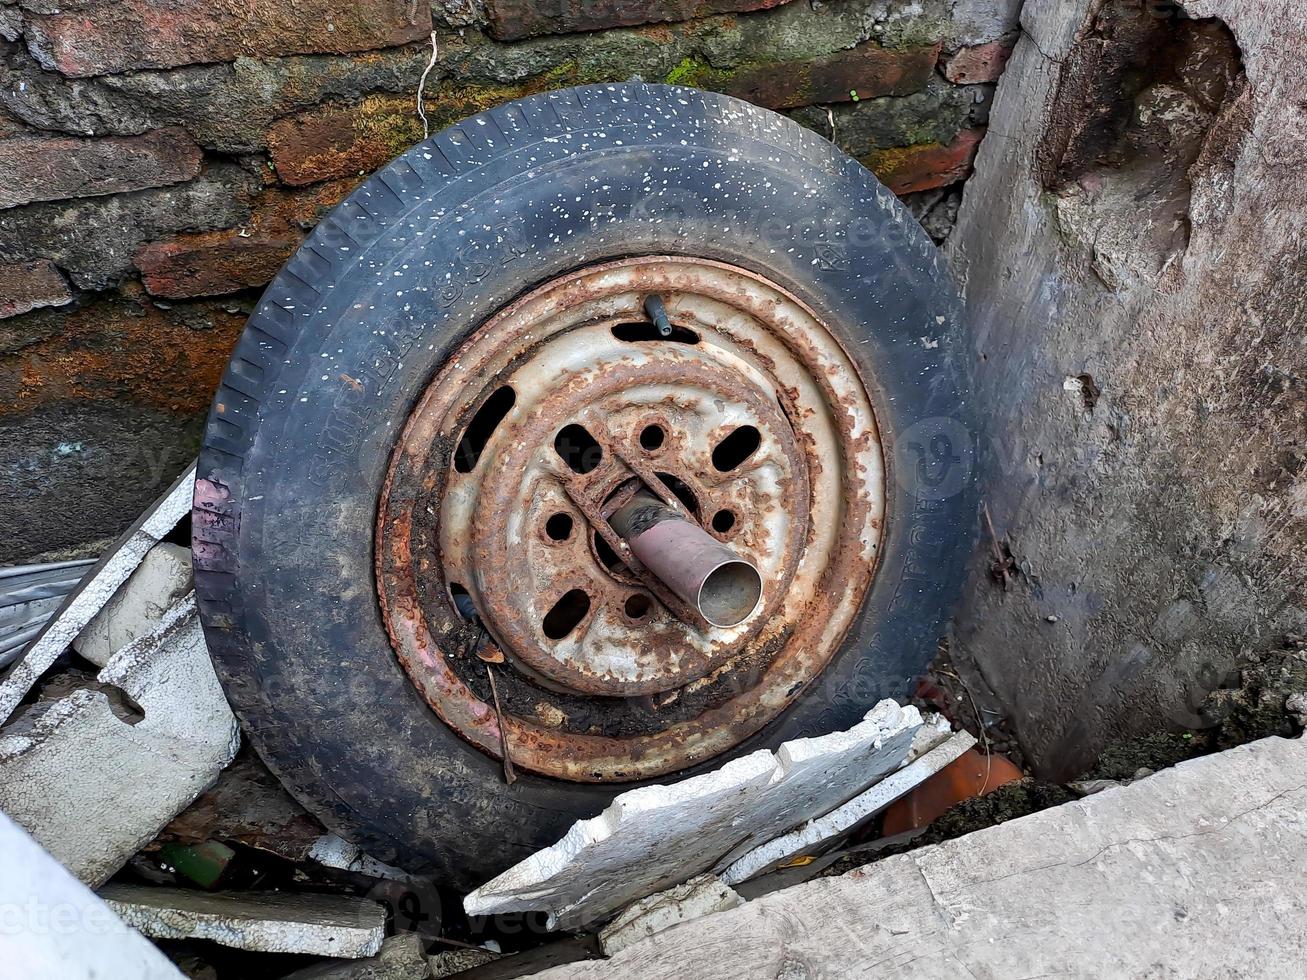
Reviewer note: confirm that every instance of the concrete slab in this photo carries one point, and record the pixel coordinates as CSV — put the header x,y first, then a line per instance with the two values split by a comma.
x,y
1198,871
270,922
94,775
697,897
96,589
54,926
815,835
654,837
161,579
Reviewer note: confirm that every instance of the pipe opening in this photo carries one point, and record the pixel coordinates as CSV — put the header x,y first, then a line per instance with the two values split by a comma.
x,y
730,593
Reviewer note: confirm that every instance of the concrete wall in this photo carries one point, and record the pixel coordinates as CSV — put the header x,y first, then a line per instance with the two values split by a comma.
x,y
159,161
1135,258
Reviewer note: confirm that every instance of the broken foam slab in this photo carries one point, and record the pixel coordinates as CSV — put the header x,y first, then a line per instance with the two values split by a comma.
x,y
95,774
161,579
654,837
95,590
814,835
268,922
54,926
651,915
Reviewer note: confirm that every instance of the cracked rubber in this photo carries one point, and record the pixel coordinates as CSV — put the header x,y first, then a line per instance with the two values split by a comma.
x,y
352,329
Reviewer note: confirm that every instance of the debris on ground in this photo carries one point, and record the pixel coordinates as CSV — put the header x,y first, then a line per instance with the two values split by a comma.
x,y
95,774
697,897
247,806
324,925
658,836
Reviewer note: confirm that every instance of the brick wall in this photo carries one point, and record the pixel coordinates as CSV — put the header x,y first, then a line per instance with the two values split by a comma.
x,y
160,159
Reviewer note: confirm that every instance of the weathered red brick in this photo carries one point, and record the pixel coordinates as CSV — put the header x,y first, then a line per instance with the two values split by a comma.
x,y
982,63
321,144
28,286
908,169
40,168
214,262
345,140
864,72
511,20
99,37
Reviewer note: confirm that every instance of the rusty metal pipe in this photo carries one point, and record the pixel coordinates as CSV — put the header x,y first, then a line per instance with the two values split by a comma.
x,y
710,577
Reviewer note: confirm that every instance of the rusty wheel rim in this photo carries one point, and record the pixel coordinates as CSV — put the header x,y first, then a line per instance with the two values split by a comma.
x,y
497,503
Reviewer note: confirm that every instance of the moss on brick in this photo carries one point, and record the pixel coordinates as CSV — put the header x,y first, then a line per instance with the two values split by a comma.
x,y
691,72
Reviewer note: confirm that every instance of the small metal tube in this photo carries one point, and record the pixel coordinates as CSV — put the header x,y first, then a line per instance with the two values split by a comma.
x,y
706,574
653,306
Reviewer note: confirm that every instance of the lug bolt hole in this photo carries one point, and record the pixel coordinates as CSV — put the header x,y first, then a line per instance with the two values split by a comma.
x,y
559,527
565,614
723,521
638,605
578,448
651,437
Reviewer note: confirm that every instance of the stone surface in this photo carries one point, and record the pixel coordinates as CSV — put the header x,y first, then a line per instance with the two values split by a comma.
x,y
982,63
818,833
213,263
27,286
511,20
910,169
697,897
657,836
40,168
974,22
94,239
1158,518
159,582
95,591
99,37
269,922
936,114
94,775
54,926
401,958
1196,872
865,72
1296,705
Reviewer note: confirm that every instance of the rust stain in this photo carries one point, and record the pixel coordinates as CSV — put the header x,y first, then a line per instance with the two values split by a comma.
x,y
125,351
689,691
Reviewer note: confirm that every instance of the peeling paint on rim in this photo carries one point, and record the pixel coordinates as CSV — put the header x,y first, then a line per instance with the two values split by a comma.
x,y
807,509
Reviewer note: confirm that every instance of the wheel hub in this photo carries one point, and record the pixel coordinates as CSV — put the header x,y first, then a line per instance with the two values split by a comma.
x,y
749,419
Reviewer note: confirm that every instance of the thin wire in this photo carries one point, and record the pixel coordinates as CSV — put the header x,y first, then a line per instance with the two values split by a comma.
x,y
422,84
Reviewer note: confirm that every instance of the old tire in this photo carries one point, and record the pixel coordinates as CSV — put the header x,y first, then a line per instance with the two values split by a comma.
x,y
348,336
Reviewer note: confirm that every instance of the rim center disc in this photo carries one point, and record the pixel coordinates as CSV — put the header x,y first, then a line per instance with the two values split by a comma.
x,y
543,424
